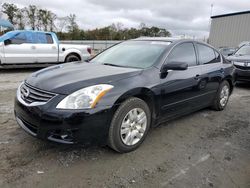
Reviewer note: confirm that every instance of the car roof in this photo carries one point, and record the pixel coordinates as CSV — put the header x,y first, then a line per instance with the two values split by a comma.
x,y
33,31
167,39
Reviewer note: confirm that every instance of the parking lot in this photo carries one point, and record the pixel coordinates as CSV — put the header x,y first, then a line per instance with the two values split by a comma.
x,y
204,149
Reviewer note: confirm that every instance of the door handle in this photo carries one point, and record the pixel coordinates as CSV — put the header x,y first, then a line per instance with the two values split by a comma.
x,y
53,47
222,70
33,47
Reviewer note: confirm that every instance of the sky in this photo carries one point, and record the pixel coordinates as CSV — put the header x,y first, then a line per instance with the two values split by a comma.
x,y
189,17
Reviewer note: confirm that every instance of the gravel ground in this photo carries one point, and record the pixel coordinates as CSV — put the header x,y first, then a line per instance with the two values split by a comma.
x,y
204,149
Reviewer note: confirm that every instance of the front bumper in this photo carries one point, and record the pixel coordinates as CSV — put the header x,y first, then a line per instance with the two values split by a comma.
x,y
64,126
242,75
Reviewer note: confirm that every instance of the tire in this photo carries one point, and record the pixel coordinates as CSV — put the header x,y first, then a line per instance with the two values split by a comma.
x,y
122,142
218,103
72,58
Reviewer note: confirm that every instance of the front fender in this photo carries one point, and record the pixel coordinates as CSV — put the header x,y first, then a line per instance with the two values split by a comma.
x,y
143,93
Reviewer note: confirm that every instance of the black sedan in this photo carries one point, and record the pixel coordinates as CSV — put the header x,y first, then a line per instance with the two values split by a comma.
x,y
241,60
124,91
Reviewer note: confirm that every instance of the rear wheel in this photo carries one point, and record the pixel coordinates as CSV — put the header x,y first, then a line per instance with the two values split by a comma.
x,y
72,58
222,96
129,126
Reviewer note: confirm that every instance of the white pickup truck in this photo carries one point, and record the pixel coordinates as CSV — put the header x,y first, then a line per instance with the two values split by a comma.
x,y
23,47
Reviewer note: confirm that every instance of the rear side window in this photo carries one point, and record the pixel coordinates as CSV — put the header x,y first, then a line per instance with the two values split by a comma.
x,y
183,53
44,38
207,55
49,38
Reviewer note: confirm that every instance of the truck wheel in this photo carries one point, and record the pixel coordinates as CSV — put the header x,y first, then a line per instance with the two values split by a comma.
x,y
72,58
129,126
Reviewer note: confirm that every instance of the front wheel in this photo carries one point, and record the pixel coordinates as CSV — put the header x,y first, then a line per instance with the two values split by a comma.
x,y
222,96
129,126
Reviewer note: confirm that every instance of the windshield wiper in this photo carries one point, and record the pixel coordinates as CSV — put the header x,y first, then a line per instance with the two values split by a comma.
x,y
114,65
110,64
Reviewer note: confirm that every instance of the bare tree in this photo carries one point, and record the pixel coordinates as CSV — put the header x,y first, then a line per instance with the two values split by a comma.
x,y
10,10
62,23
51,21
73,27
31,12
20,19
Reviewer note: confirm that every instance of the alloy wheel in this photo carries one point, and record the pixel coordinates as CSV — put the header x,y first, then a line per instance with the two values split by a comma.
x,y
133,126
224,95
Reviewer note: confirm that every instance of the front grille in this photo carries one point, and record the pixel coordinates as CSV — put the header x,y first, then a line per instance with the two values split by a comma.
x,y
30,94
242,68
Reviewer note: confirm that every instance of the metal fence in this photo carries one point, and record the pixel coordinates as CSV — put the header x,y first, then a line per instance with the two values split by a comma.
x,y
97,45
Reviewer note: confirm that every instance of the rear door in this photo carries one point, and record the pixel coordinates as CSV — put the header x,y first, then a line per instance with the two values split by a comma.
x,y
212,71
46,48
21,49
180,89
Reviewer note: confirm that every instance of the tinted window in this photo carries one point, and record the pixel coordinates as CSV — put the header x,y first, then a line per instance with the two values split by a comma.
x,y
207,54
30,37
183,53
49,38
44,38
19,38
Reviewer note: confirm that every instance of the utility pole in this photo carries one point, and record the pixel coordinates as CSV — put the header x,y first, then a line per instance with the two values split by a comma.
x,y
210,19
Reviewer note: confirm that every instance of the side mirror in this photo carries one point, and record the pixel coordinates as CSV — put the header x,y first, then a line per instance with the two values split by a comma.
x,y
174,66
7,42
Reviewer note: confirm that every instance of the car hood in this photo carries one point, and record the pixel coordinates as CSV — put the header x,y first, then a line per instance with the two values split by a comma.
x,y
242,58
70,77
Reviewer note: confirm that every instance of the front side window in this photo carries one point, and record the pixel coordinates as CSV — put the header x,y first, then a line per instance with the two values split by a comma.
x,y
136,54
207,55
19,38
183,53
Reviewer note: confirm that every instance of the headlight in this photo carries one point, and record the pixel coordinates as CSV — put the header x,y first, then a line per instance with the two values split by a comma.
x,y
84,98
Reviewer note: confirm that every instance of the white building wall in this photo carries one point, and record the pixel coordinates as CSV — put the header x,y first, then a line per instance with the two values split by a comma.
x,y
230,31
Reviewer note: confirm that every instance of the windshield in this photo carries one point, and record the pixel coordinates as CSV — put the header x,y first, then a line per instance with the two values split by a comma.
x,y
136,54
244,50
8,35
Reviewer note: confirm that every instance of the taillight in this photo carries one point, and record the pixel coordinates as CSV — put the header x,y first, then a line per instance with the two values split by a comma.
x,y
89,50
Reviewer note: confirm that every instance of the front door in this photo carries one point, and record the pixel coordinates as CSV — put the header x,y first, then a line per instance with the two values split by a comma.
x,y
19,50
180,89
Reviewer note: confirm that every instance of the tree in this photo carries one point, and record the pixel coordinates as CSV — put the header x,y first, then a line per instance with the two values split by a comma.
x,y
62,23
73,27
51,21
10,10
31,12
20,19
